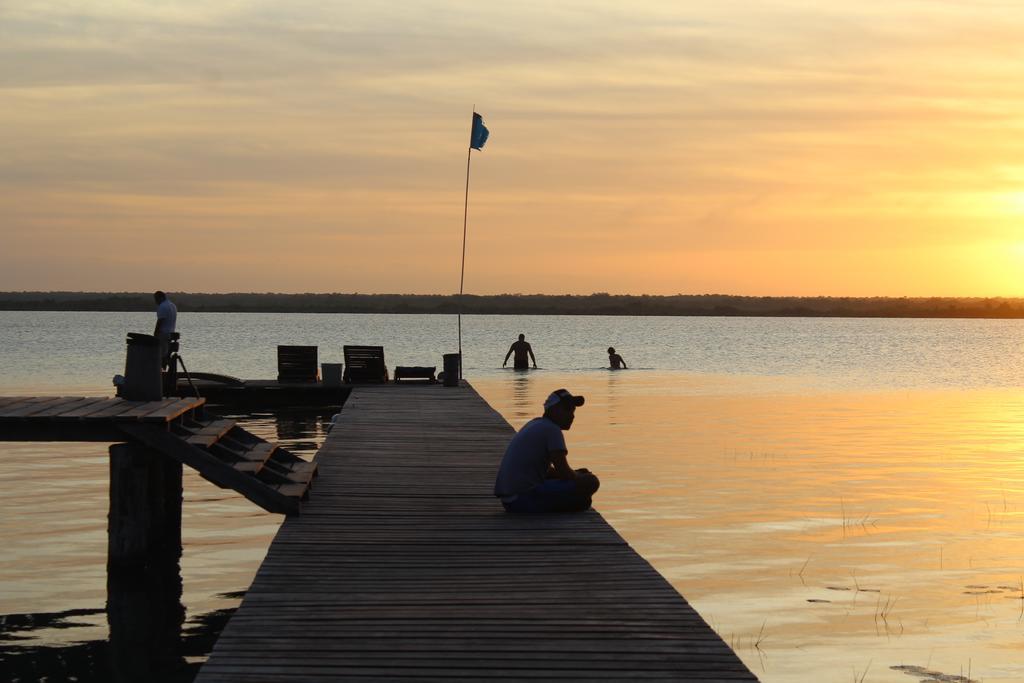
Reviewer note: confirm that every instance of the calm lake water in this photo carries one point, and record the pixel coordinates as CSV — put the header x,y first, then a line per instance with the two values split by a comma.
x,y
841,499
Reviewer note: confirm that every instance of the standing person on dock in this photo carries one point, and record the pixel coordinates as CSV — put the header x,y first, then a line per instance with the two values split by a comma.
x,y
521,348
615,361
166,325
534,475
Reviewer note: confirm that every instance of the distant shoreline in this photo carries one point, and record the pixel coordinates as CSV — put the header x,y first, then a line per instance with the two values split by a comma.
x,y
530,304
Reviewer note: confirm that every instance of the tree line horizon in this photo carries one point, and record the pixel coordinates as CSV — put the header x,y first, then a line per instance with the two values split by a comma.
x,y
599,303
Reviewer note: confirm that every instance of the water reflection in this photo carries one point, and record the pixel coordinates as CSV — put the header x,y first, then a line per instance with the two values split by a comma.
x,y
13,625
86,661
145,615
145,641
149,638
301,431
522,409
143,633
818,533
612,397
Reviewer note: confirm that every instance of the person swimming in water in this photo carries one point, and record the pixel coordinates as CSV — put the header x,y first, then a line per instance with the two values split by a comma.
x,y
615,360
522,350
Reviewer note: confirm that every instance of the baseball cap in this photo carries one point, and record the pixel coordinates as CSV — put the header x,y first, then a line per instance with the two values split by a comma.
x,y
563,396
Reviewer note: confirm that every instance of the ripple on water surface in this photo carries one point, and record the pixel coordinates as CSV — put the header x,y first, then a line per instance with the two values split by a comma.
x,y
849,532
841,499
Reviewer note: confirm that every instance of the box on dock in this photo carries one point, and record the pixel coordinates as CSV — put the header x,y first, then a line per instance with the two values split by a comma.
x,y
331,374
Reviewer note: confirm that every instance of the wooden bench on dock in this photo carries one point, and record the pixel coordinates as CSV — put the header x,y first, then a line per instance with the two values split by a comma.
x,y
405,566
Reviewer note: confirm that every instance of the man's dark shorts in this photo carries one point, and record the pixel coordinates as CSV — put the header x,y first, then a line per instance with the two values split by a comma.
x,y
554,495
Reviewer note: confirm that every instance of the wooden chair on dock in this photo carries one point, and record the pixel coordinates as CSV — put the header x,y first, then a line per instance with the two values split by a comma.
x,y
297,364
365,364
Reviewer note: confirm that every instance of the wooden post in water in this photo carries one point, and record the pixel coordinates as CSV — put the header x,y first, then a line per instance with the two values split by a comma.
x,y
145,616
144,525
143,571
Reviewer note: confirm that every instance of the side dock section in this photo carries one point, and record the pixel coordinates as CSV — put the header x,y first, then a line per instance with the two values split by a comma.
x,y
403,565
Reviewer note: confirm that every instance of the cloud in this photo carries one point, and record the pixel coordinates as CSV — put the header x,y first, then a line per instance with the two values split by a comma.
x,y
781,125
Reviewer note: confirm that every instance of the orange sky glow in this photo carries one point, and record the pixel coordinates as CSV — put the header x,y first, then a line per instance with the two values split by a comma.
x,y
783,147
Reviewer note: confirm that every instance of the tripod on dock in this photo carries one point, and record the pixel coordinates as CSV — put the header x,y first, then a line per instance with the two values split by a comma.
x,y
174,359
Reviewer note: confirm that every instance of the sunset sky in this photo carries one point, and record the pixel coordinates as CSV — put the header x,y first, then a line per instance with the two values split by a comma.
x,y
783,147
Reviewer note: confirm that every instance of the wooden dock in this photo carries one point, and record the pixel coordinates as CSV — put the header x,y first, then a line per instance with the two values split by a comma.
x,y
81,418
262,394
175,428
403,565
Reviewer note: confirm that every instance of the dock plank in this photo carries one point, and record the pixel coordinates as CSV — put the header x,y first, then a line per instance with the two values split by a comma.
x,y
173,411
403,565
114,408
210,432
145,409
57,411
99,406
164,410
24,407
9,400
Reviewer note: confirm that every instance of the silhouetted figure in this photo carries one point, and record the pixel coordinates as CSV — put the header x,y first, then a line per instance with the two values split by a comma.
x,y
534,475
166,325
522,349
615,360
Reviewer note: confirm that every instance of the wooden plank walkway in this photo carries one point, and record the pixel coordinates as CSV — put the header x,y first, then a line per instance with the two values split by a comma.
x,y
79,418
41,410
403,565
221,451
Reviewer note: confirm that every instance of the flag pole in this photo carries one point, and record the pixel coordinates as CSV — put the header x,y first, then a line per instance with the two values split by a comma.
x,y
465,220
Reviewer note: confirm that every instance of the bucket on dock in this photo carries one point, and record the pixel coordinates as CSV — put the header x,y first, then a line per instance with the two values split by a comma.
x,y
452,363
331,374
142,379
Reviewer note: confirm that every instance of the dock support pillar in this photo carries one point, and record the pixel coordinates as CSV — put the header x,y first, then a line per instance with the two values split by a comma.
x,y
144,608
145,616
144,525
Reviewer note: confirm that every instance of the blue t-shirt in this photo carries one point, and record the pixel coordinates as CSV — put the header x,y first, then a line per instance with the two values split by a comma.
x,y
528,457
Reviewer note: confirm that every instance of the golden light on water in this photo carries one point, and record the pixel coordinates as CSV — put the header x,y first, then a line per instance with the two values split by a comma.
x,y
837,531
834,496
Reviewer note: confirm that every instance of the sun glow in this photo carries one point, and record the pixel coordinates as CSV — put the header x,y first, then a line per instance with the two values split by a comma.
x,y
846,148
1008,204
1017,254
1001,269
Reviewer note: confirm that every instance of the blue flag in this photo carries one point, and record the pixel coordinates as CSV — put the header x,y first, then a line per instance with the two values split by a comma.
x,y
478,138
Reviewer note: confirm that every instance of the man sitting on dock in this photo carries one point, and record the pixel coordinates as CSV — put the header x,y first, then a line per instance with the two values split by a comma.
x,y
535,475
